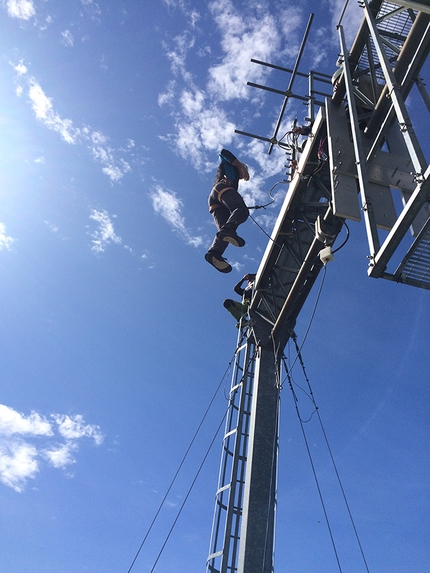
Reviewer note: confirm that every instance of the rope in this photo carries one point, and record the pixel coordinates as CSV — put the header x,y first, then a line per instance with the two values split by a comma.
x,y
343,494
270,195
312,315
180,466
267,235
315,305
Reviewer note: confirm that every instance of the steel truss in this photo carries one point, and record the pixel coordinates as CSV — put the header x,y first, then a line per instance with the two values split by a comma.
x,y
377,77
244,520
362,144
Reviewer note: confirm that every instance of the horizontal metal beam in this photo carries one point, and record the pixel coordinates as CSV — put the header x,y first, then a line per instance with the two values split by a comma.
x,y
319,76
406,218
276,91
419,6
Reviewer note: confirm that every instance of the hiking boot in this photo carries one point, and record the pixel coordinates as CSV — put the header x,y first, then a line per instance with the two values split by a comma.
x,y
230,237
216,260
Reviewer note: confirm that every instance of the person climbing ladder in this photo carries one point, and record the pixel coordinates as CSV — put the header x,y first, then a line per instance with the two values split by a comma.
x,y
228,209
239,309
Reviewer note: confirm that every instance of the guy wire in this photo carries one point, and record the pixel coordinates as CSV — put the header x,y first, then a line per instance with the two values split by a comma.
x,y
188,492
312,398
180,465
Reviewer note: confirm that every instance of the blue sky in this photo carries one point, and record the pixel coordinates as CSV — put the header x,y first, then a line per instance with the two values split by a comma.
x,y
113,334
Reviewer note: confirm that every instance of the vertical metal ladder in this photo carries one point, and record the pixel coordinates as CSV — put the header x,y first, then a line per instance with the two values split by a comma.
x,y
224,545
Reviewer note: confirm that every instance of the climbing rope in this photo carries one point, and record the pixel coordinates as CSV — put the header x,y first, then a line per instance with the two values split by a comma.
x,y
267,234
312,314
273,199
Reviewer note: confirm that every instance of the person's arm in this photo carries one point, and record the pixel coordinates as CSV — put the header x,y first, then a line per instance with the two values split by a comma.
x,y
232,159
302,129
227,155
243,170
238,288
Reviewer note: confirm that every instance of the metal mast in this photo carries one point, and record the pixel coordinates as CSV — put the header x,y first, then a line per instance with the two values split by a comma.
x,y
372,151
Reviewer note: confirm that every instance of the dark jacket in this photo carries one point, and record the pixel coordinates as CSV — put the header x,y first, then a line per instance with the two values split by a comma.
x,y
245,293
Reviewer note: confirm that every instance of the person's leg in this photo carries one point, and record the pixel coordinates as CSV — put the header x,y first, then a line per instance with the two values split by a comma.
x,y
214,255
229,213
235,204
239,213
221,215
236,309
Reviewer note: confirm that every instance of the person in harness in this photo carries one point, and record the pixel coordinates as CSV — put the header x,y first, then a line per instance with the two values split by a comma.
x,y
239,309
228,209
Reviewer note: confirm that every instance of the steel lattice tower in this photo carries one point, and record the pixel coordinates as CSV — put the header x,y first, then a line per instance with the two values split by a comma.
x,y
372,150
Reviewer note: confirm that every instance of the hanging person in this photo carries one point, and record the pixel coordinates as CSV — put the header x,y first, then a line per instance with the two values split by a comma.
x,y
239,309
228,209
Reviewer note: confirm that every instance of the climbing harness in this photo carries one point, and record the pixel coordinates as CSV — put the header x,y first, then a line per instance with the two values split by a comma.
x,y
225,185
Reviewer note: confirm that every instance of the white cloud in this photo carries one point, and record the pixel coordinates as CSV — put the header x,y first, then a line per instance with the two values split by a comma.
x,y
56,438
168,96
61,456
53,228
113,168
74,427
178,55
205,131
203,121
5,240
12,422
194,18
113,165
67,38
92,8
114,172
105,234
167,204
47,22
20,68
242,39
23,9
17,463
43,108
